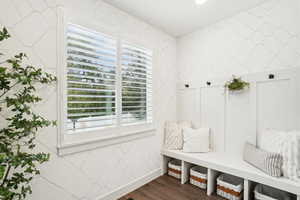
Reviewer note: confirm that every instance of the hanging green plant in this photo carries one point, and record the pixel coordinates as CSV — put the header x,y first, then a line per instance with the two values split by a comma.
x,y
236,84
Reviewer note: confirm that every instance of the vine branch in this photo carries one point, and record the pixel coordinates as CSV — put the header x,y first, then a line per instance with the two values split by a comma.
x,y
6,175
18,165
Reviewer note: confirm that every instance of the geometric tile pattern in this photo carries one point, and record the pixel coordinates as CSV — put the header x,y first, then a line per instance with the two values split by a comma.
x,y
84,176
264,38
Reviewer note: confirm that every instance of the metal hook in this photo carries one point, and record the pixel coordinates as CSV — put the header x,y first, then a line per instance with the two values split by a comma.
x,y
271,76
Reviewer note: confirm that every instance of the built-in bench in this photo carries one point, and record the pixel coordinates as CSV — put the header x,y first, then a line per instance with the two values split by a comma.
x,y
224,163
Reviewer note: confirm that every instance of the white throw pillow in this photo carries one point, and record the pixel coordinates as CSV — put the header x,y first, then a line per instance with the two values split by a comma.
x,y
173,134
196,140
272,140
286,144
291,156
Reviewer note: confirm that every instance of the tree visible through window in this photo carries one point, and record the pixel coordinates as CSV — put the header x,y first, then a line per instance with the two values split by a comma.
x,y
136,84
95,65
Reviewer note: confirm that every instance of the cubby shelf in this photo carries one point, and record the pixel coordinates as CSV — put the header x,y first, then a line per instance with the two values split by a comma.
x,y
217,163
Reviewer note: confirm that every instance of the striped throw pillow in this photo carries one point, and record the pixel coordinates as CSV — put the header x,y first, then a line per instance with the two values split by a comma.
x,y
268,162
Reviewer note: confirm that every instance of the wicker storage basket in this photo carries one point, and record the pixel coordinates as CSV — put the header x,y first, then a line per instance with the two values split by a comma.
x,y
174,168
230,187
198,177
263,192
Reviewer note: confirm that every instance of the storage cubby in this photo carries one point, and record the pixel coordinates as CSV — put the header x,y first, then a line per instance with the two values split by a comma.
x,y
166,160
194,172
217,164
231,183
230,187
263,192
198,177
175,169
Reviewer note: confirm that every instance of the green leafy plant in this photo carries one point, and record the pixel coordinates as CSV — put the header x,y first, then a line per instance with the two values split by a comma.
x,y
236,84
18,161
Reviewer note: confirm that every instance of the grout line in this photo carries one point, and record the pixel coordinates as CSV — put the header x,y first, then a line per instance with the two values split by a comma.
x,y
60,187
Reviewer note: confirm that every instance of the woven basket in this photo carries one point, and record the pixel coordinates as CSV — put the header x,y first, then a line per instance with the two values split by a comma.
x,y
263,192
198,177
174,168
230,187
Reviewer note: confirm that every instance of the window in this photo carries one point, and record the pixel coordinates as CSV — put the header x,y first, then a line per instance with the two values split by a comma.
x,y
109,82
136,84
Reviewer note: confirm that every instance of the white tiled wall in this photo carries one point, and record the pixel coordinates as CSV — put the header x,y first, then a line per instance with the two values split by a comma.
x,y
264,38
33,26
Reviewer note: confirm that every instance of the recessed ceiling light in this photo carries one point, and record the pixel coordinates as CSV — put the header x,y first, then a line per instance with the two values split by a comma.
x,y
200,2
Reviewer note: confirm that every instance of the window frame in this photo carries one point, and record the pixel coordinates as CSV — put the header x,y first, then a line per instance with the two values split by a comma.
x,y
88,139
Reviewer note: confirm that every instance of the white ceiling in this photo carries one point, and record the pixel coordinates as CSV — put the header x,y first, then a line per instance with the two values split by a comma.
x,y
179,17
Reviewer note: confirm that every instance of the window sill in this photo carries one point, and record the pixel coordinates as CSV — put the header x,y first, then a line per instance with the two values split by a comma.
x,y
121,136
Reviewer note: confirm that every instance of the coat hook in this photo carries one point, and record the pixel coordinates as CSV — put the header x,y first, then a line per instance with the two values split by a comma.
x,y
186,85
271,76
208,83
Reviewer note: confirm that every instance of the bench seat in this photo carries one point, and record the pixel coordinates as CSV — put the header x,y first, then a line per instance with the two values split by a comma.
x,y
234,165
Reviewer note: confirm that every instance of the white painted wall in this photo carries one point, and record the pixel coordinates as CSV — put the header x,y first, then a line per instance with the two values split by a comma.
x,y
265,38
88,175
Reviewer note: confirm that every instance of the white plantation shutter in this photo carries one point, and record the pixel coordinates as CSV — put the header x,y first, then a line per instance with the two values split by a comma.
x,y
91,79
109,83
136,68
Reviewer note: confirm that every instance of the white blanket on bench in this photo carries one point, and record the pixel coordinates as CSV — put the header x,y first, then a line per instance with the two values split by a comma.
x,y
288,145
291,154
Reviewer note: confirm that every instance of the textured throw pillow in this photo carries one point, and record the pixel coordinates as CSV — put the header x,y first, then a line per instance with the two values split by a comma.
x,y
287,144
291,155
173,134
272,140
196,140
270,163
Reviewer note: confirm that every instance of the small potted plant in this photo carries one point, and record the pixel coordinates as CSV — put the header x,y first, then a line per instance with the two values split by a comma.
x,y
236,84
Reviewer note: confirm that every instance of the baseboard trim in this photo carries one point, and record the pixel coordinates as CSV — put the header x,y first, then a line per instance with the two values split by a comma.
x,y
121,191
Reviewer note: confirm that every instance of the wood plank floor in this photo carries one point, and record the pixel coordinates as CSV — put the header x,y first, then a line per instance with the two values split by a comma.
x,y
168,188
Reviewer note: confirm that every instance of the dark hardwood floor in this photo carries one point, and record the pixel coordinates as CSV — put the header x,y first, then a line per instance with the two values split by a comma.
x,y
168,188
